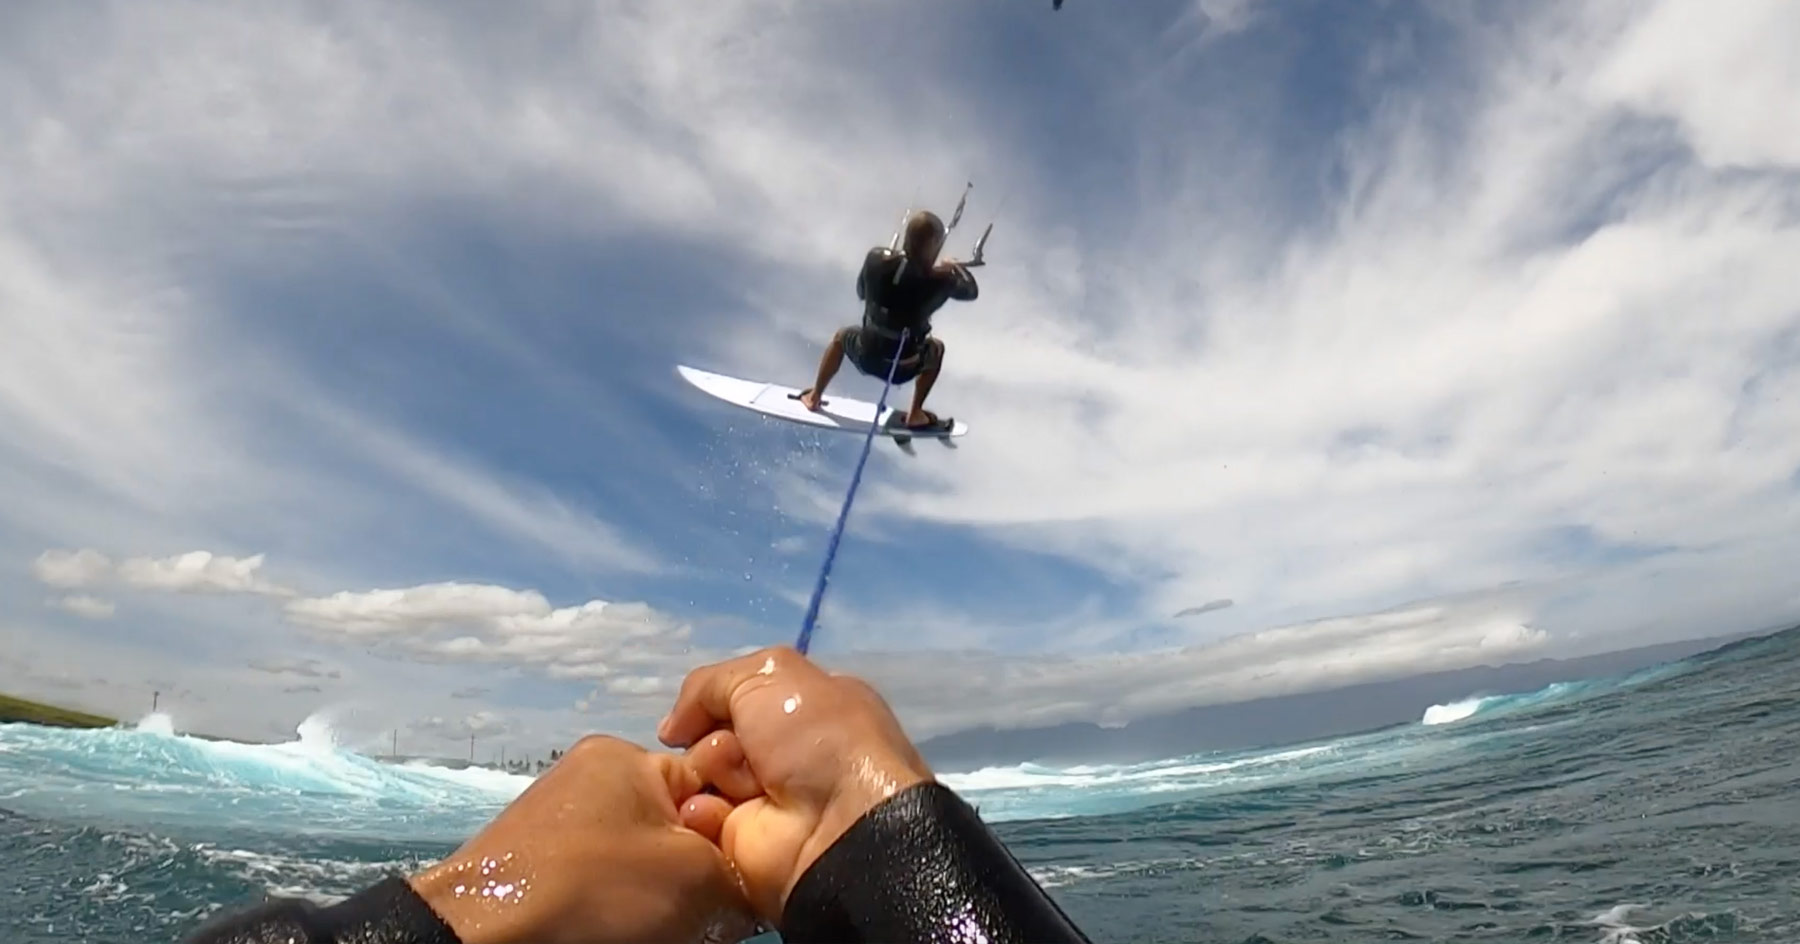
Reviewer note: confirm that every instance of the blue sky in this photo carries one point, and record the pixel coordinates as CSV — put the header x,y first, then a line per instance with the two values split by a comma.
x,y
1425,334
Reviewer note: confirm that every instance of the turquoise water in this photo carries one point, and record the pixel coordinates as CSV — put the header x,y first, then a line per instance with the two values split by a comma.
x,y
1663,807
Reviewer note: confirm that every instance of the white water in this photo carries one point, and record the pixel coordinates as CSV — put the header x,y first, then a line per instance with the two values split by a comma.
x,y
148,773
1455,711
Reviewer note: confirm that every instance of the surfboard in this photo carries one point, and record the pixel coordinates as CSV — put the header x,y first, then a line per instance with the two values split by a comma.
x,y
846,414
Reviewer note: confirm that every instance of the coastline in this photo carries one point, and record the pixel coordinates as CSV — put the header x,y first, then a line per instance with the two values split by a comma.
x,y
15,710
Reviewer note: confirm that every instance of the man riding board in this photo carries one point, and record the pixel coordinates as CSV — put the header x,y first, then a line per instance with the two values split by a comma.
x,y
900,291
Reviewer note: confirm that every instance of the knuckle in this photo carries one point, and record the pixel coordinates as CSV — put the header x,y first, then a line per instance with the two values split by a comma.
x,y
860,687
593,747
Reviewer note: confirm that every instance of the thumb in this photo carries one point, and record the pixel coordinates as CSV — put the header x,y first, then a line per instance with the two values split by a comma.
x,y
705,814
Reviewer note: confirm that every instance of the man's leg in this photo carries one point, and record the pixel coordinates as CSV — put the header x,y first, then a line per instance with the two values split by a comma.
x,y
829,363
931,359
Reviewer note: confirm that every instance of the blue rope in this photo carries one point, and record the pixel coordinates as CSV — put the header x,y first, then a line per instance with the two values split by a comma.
x,y
837,533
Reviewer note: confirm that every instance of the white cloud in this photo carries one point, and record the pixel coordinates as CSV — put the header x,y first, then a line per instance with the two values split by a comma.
x,y
199,572
192,572
1549,305
1493,338
1722,71
86,606
494,625
131,408
71,569
414,608
640,685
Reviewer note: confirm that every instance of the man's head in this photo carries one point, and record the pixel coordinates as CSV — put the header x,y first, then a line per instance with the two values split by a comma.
x,y
924,236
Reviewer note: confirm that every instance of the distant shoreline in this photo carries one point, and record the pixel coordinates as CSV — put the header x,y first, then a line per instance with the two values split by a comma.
x,y
14,710
24,711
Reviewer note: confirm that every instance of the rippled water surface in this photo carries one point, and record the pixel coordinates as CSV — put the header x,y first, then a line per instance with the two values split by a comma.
x,y
1664,807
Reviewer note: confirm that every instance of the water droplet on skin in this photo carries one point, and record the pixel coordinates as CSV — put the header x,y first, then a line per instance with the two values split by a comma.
x,y
768,667
792,703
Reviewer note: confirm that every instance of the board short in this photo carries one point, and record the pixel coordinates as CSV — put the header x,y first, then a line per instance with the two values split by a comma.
x,y
870,355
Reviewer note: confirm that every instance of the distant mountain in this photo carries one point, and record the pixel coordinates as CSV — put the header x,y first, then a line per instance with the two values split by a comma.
x,y
1286,719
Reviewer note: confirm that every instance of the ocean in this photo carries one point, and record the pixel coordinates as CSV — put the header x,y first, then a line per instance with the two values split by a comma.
x,y
1659,807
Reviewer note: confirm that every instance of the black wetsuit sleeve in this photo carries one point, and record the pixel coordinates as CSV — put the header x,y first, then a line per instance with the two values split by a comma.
x,y
921,867
388,912
963,287
871,263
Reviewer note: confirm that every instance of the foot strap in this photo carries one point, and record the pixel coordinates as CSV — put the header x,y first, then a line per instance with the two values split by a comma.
x,y
932,423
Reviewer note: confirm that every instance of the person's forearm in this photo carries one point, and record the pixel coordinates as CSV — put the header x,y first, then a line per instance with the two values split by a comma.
x,y
921,867
388,911
963,287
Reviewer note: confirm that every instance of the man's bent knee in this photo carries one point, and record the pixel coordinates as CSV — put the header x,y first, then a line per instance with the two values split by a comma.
x,y
932,357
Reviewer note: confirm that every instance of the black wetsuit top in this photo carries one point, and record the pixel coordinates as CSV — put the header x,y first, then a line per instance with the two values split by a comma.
x,y
919,867
897,294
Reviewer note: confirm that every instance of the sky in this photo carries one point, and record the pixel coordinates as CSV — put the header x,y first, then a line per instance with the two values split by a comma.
x,y
339,375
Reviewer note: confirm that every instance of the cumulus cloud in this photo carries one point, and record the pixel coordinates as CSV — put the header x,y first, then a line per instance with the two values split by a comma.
x,y
495,625
199,572
71,569
377,612
639,685
192,572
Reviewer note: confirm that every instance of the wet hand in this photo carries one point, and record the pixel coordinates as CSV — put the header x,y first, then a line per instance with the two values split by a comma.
x,y
798,756
592,853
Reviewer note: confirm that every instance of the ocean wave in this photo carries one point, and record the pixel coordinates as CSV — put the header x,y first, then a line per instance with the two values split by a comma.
x,y
1156,776
1454,711
1556,693
150,774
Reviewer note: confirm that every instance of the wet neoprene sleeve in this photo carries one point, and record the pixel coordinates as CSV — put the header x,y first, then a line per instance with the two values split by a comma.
x,y
388,912
921,867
